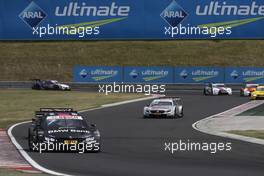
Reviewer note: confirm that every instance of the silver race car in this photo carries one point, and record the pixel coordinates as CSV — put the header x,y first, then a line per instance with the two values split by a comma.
x,y
217,89
164,107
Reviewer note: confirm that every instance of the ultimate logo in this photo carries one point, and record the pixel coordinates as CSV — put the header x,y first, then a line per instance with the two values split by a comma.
x,y
152,75
149,75
174,14
199,75
100,74
110,13
248,75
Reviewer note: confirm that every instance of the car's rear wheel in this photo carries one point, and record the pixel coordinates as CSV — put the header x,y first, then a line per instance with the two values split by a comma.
x,y
56,87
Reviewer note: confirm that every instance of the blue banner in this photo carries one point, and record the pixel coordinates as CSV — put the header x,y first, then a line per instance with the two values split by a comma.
x,y
199,74
127,19
97,74
148,75
244,75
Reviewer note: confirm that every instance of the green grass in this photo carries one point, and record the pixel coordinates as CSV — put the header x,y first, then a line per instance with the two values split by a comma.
x,y
19,105
9,172
250,133
26,60
257,111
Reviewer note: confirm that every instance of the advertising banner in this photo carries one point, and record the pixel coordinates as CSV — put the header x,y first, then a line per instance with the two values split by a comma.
x,y
131,19
199,74
244,75
97,74
148,75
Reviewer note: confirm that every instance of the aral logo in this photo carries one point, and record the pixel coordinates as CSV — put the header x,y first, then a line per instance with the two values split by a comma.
x,y
83,73
133,74
32,15
184,74
234,74
174,14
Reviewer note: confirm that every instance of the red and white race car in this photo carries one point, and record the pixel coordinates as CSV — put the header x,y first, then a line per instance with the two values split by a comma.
x,y
248,89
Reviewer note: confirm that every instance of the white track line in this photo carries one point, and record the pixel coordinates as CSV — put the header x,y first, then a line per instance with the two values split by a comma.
x,y
48,171
26,156
224,134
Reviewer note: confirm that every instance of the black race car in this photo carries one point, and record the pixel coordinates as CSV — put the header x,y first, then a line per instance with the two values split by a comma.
x,y
49,85
62,129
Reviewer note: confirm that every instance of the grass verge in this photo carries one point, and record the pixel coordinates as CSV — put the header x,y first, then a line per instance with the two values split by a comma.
x,y
55,60
249,133
257,111
11,172
19,105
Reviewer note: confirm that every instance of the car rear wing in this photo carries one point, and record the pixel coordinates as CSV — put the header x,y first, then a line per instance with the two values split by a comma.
x,y
35,79
172,97
56,110
46,111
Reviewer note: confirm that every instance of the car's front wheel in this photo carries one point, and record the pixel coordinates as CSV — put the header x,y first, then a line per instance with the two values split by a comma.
x,y
205,92
178,115
30,141
144,116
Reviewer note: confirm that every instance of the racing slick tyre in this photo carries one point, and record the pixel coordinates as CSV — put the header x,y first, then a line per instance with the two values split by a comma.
x,y
36,87
56,87
241,93
178,115
30,140
205,93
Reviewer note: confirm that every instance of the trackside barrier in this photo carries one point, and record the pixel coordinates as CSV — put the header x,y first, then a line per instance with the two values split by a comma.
x,y
131,19
168,75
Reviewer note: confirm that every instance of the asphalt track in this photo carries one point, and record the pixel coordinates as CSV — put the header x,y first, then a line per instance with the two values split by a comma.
x,y
135,146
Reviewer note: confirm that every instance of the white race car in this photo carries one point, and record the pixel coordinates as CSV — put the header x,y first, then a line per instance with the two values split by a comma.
x,y
217,89
164,107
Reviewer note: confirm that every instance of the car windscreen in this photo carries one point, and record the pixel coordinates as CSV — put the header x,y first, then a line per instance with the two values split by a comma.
x,y
218,85
260,89
161,103
251,86
58,123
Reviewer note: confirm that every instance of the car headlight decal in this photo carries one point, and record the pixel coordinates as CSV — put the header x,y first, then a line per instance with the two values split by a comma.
x,y
97,133
49,139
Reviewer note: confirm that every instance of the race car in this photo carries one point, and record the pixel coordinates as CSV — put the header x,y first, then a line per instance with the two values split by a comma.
x,y
248,89
171,107
258,94
49,85
62,126
217,89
